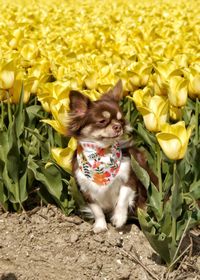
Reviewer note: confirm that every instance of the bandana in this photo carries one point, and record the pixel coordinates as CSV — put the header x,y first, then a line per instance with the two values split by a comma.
x,y
98,164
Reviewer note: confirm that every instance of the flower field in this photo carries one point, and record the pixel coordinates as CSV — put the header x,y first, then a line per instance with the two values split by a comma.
x,y
51,47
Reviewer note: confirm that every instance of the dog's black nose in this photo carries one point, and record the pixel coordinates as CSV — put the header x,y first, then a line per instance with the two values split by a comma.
x,y
117,127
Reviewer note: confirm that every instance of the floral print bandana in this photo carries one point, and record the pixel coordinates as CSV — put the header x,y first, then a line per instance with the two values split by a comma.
x,y
98,164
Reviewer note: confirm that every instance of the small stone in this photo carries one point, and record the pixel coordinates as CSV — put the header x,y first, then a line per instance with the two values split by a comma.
x,y
119,242
198,263
74,237
127,246
103,249
98,238
184,266
124,272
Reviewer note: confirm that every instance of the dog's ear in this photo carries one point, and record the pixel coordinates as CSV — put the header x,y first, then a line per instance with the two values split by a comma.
x,y
79,103
116,93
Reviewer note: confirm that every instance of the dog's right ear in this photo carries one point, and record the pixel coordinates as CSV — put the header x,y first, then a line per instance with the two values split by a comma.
x,y
79,103
116,93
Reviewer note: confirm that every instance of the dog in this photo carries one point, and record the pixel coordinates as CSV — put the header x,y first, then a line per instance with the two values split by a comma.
x,y
102,163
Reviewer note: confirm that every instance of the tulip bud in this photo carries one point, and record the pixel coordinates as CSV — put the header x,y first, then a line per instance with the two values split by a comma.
x,y
194,86
174,139
63,157
6,79
178,91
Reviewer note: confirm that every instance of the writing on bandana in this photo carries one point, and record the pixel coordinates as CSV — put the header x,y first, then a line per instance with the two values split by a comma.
x,y
98,164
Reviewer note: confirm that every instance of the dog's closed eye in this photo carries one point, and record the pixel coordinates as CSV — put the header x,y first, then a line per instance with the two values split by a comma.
x,y
102,122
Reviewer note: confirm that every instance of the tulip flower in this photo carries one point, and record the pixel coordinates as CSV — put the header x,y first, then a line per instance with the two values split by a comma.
x,y
194,84
63,157
177,91
7,75
60,115
181,60
17,35
174,139
48,92
139,74
175,113
15,92
160,78
153,109
29,50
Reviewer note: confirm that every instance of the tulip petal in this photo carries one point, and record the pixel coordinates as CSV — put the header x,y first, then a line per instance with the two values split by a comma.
x,y
60,129
170,144
178,91
63,157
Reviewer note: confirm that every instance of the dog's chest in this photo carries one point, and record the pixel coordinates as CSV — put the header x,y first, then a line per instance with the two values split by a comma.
x,y
105,195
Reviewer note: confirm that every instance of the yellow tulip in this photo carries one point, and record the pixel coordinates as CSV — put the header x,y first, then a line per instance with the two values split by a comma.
x,y
29,50
182,60
159,84
177,91
17,35
153,109
160,78
174,139
91,81
175,113
59,112
6,79
58,91
63,157
93,94
15,92
7,75
194,84
139,74
155,115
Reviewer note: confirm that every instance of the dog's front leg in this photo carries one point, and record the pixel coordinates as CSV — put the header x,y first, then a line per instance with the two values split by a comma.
x,y
125,199
100,221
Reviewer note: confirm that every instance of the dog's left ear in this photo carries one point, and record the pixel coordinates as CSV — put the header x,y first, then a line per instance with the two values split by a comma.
x,y
115,93
79,103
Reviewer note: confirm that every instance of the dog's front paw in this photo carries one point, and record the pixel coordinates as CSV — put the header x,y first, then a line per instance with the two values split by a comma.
x,y
100,226
119,219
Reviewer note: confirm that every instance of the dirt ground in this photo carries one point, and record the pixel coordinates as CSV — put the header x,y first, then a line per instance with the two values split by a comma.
x,y
44,244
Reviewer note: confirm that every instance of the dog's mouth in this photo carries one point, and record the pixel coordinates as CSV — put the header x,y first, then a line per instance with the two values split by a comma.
x,y
114,137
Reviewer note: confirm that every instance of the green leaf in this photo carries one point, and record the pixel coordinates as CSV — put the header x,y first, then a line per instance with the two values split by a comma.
x,y
50,177
155,201
167,183
195,189
146,136
3,193
13,156
4,145
34,113
177,196
166,222
19,116
140,172
159,241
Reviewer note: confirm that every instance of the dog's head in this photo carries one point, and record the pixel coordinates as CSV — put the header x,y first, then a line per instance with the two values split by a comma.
x,y
101,120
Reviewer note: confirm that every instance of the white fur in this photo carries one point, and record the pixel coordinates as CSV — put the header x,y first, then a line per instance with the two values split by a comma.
x,y
115,197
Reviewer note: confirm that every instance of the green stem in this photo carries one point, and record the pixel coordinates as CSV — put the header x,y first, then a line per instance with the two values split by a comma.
x,y
197,121
173,231
158,167
2,115
9,109
129,111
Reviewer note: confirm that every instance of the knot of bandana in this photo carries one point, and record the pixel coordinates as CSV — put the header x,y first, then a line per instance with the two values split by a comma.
x,y
98,164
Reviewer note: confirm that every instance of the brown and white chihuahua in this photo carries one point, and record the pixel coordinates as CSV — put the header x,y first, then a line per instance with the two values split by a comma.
x,y
101,165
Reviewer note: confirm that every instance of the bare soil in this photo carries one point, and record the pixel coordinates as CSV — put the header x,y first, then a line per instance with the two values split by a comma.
x,y
45,244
